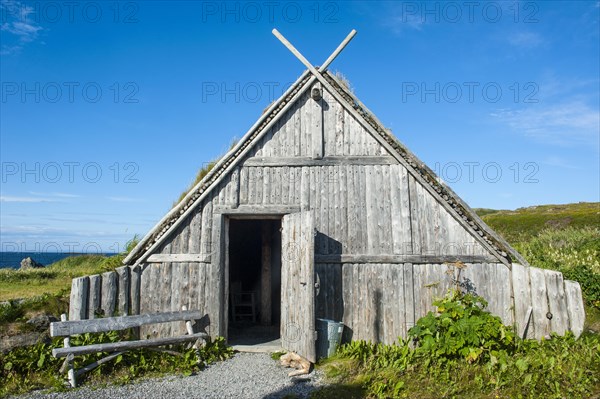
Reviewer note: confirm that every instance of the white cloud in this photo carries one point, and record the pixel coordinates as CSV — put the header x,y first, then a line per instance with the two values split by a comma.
x,y
124,199
572,123
25,199
559,162
525,39
17,22
59,195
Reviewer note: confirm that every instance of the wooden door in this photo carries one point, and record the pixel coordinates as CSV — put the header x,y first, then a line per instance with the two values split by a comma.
x,y
298,284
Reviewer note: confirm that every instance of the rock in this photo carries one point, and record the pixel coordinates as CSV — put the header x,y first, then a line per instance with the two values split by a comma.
x,y
29,263
41,322
8,343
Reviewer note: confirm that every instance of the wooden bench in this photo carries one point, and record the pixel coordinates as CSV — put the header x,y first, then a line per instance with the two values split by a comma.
x,y
67,329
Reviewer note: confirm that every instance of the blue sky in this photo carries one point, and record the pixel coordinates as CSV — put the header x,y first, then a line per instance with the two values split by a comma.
x,y
109,109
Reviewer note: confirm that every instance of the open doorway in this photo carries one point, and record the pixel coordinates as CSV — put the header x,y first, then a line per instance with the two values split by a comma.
x,y
254,282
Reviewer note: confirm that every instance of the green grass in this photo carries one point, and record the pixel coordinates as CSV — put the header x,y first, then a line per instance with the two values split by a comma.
x,y
53,278
525,223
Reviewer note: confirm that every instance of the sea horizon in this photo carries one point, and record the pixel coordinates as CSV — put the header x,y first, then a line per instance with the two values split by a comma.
x,y
12,260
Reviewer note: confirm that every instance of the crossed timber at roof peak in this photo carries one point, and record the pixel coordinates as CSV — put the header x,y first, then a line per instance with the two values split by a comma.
x,y
317,73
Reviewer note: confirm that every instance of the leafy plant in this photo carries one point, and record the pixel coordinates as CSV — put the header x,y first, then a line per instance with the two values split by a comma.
x,y
462,329
10,311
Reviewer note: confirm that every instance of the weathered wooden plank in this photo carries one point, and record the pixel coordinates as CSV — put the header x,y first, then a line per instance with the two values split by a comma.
x,y
243,185
575,308
261,210
125,345
259,177
146,289
277,177
522,298
267,186
194,281
216,312
324,214
124,287
349,301
334,214
134,293
109,293
78,303
385,211
557,302
331,160
305,189
205,234
94,297
165,291
72,327
182,257
203,292
315,105
392,258
252,186
371,195
500,292
343,207
539,295
351,219
184,299
415,222
315,199
234,194
409,296
361,211
194,243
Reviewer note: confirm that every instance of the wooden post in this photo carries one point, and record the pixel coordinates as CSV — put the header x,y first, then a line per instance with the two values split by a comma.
x,y
69,360
265,280
78,303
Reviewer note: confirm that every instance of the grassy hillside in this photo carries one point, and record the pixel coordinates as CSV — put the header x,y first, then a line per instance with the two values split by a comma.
x,y
51,279
525,223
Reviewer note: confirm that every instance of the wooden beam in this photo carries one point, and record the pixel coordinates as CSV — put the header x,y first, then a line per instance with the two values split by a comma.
x,y
326,161
256,210
160,258
338,50
265,275
414,259
125,345
67,328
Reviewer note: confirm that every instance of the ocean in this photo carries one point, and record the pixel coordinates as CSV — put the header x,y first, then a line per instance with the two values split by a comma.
x,y
13,259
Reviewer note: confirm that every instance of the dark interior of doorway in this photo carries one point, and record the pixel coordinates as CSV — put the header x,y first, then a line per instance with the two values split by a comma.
x,y
254,276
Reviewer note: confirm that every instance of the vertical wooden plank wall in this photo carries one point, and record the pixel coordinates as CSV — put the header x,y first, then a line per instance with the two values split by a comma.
x,y
368,208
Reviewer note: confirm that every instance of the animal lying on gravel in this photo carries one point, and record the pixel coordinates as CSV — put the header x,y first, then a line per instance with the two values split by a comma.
x,y
293,360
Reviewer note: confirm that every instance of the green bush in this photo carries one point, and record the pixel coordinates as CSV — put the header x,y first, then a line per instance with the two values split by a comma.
x,y
10,311
589,281
462,329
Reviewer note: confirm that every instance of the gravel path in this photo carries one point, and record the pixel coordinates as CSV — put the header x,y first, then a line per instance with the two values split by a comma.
x,y
246,375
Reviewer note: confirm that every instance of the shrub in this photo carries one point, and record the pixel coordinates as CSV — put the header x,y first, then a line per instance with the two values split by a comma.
x,y
462,329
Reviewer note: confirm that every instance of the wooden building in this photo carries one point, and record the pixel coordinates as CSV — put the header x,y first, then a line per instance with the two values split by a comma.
x,y
322,213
